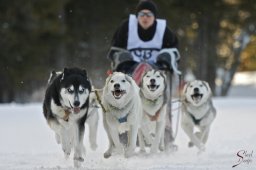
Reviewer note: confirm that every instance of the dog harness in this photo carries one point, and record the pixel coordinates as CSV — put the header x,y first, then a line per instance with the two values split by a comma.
x,y
123,119
153,102
154,117
195,120
120,120
66,116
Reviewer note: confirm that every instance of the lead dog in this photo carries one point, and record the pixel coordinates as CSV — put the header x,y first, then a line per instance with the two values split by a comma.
x,y
93,112
65,108
153,95
123,112
197,111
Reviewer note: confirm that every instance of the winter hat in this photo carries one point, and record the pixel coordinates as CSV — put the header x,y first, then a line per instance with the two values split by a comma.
x,y
146,4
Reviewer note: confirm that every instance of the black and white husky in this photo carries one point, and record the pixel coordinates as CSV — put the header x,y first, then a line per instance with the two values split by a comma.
x,y
65,108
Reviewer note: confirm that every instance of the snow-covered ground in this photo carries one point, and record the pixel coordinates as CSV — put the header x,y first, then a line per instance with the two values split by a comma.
x,y
26,142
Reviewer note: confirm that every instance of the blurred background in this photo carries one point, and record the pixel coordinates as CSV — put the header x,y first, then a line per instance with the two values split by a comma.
x,y
216,40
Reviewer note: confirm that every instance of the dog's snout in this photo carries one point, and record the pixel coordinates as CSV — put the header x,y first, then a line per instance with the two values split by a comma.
x,y
196,90
76,103
117,86
152,81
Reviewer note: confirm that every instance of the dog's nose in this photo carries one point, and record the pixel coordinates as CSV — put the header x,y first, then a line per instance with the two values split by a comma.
x,y
116,86
152,81
196,90
76,103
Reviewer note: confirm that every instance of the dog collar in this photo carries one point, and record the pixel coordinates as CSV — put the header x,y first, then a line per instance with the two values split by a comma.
x,y
122,119
67,113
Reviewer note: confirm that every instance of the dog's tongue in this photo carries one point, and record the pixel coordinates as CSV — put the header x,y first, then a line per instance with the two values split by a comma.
x,y
117,92
197,97
76,109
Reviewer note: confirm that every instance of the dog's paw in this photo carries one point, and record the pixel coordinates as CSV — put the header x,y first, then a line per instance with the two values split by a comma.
x,y
78,161
66,151
66,155
77,164
129,153
142,150
153,150
190,144
201,148
173,148
107,154
161,148
200,152
94,146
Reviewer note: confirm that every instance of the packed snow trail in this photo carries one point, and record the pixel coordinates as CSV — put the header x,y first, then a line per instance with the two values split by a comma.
x,y
27,143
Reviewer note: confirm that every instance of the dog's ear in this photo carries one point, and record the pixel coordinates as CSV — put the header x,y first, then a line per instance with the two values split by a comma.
x,y
52,76
184,91
206,84
108,78
128,78
185,88
132,82
64,73
84,72
143,75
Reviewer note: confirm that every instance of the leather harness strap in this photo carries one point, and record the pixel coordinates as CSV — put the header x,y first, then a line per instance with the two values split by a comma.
x,y
156,116
66,116
98,98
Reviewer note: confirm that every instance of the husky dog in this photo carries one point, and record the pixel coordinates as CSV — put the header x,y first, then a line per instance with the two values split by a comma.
x,y
123,112
65,108
197,111
153,97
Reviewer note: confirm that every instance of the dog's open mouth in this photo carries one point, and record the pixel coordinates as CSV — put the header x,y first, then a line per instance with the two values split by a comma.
x,y
153,87
118,93
197,97
74,108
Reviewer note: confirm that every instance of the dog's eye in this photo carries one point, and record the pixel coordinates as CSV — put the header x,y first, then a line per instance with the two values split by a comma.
x,y
70,90
112,81
190,86
147,76
158,76
123,81
81,90
201,85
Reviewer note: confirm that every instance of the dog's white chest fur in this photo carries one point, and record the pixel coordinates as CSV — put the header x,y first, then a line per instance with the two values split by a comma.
x,y
198,111
151,107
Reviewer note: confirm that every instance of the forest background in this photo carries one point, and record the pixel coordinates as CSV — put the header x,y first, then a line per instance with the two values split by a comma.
x,y
217,38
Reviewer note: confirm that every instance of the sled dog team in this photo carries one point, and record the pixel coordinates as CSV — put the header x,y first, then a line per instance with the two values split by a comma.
x,y
139,111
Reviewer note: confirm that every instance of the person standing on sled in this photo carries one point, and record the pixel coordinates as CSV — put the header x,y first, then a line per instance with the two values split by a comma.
x,y
143,38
